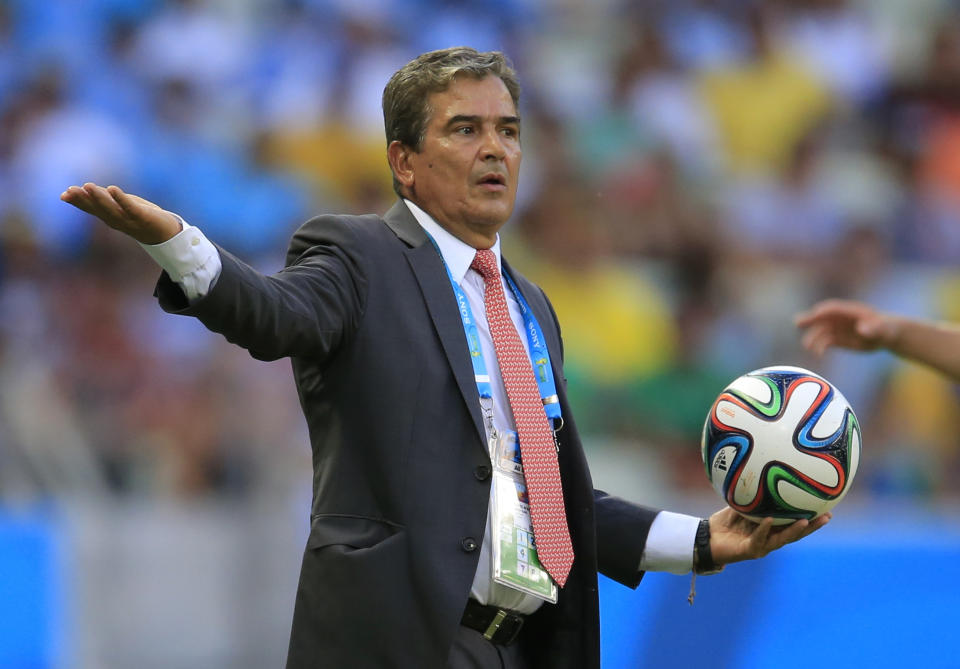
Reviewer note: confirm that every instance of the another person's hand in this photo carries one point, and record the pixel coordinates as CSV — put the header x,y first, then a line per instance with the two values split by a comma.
x,y
130,214
733,538
847,324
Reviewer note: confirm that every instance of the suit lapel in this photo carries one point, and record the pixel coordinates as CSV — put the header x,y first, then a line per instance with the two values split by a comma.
x,y
434,283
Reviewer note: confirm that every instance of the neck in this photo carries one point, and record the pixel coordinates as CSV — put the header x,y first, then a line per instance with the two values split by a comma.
x,y
475,239
476,235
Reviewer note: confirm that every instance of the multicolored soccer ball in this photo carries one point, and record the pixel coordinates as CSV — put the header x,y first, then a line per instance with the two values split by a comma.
x,y
781,442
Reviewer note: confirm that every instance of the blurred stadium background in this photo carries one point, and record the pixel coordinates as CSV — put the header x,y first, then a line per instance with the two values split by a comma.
x,y
695,172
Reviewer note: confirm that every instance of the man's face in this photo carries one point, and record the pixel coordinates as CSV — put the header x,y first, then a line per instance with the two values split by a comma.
x,y
465,174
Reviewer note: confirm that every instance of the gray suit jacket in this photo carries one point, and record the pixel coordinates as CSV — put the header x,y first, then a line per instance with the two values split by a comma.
x,y
401,475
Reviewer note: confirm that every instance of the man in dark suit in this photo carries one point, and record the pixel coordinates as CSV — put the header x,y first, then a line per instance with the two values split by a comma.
x,y
401,564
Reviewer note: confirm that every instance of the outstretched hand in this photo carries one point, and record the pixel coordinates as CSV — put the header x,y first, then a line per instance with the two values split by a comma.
x,y
130,214
733,538
848,324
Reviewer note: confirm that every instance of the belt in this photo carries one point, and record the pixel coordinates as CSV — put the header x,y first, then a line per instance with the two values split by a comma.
x,y
497,625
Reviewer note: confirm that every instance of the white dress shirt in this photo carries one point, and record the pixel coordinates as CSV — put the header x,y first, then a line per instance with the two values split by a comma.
x,y
194,263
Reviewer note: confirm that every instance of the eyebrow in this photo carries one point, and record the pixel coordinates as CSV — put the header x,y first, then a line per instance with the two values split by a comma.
x,y
467,118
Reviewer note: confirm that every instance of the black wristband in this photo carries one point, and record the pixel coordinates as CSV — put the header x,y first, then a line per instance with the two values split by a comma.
x,y
702,556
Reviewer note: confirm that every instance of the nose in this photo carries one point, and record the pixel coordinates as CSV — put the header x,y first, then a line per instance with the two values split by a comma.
x,y
493,147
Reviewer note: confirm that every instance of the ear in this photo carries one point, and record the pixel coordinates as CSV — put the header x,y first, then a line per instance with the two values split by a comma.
x,y
400,156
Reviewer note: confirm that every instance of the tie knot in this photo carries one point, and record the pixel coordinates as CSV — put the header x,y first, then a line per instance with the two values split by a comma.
x,y
485,262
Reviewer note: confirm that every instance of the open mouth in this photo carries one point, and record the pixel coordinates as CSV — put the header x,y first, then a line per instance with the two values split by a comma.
x,y
493,180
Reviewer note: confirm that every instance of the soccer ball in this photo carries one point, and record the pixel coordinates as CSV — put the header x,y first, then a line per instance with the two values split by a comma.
x,y
781,442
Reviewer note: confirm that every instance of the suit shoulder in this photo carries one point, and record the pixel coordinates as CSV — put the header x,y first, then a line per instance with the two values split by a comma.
x,y
350,233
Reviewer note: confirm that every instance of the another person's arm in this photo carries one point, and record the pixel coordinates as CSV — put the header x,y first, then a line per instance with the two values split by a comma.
x,y
860,327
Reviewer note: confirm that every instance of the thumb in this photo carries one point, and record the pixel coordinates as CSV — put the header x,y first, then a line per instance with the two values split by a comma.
x,y
136,206
154,224
131,204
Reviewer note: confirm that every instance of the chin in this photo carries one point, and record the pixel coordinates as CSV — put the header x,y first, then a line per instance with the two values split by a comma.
x,y
493,215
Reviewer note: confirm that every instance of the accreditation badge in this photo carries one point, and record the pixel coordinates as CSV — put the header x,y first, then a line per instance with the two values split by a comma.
x,y
515,561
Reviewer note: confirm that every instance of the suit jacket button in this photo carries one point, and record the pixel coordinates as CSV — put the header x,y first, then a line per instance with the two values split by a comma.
x,y
482,473
469,544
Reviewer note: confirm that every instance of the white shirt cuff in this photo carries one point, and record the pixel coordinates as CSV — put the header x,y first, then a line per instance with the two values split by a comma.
x,y
670,543
190,259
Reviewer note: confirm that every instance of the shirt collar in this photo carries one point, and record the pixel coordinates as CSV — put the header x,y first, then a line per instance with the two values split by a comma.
x,y
457,254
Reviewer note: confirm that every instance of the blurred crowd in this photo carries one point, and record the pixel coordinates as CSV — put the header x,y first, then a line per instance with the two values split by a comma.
x,y
695,172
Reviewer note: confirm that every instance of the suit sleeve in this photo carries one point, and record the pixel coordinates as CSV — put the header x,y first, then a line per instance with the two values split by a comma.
x,y
622,530
306,310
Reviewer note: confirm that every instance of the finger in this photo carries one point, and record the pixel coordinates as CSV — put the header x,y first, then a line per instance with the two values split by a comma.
x,y
147,204
71,192
805,318
818,522
809,337
725,517
137,206
832,307
824,340
792,532
761,535
81,199
826,311
107,207
76,196
131,205
145,212
817,339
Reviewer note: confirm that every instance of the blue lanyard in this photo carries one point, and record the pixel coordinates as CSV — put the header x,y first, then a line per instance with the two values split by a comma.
x,y
539,355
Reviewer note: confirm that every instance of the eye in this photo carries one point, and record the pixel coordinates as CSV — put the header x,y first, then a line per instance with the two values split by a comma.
x,y
464,130
510,131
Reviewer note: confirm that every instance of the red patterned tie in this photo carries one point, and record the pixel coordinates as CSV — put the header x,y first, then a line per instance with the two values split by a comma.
x,y
537,449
